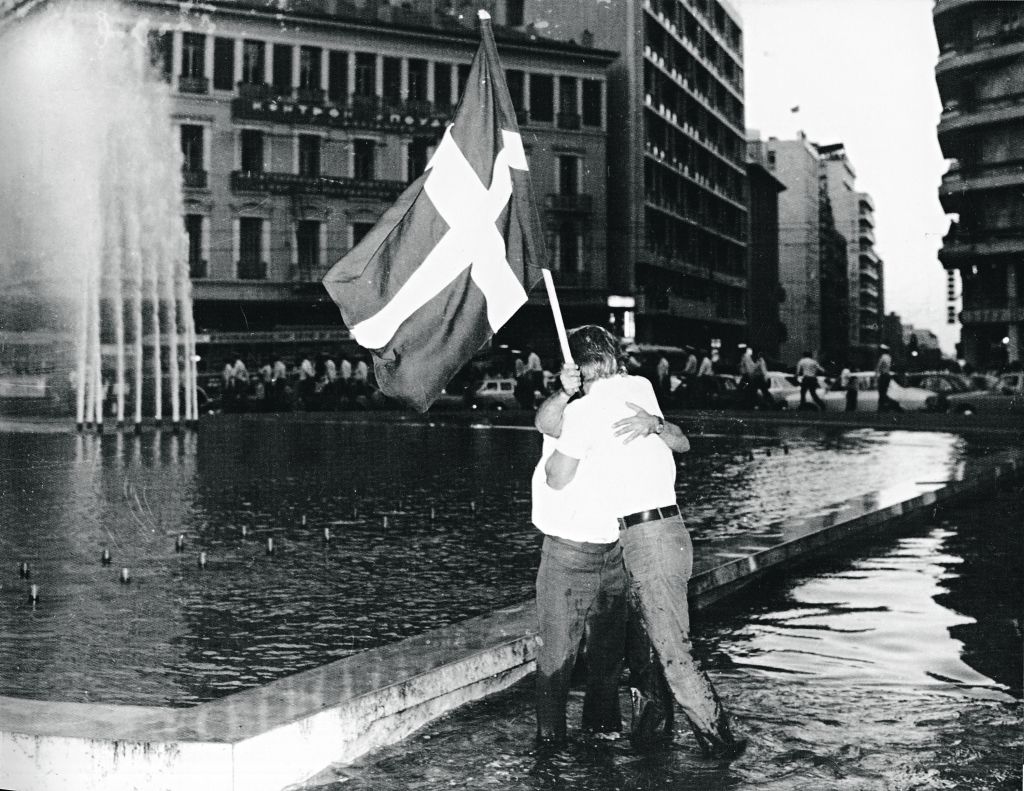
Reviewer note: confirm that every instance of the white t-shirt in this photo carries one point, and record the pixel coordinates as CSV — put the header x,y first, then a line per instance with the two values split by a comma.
x,y
570,512
620,478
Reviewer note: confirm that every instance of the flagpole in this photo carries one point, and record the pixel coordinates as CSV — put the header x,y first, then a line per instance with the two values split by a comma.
x,y
563,338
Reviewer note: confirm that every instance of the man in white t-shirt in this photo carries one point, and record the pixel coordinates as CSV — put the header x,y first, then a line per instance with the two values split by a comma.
x,y
615,449
581,588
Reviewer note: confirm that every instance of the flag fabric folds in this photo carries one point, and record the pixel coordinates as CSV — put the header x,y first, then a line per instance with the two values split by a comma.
x,y
451,261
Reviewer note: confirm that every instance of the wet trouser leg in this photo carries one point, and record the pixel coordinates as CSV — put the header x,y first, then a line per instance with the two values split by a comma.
x,y
653,706
659,561
580,588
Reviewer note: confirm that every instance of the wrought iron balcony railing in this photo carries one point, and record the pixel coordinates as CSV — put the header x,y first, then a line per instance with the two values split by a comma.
x,y
329,186
579,204
193,84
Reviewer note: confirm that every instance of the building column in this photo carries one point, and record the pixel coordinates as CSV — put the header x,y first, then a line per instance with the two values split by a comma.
x,y
378,82
296,63
403,79
268,63
176,39
325,69
236,67
208,59
430,81
351,89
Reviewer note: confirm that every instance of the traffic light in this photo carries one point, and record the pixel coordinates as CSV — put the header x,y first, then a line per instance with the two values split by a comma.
x,y
950,285
951,314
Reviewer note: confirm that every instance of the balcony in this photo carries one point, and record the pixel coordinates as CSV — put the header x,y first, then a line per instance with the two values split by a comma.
x,y
963,177
193,84
867,253
978,51
255,91
867,205
866,234
194,179
569,121
960,243
252,270
868,289
328,186
868,274
306,273
572,204
1003,109
359,112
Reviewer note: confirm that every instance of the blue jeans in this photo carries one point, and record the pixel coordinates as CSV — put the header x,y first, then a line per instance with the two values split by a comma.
x,y
581,590
659,562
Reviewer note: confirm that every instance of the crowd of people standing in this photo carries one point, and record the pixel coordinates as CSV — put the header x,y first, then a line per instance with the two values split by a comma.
x,y
313,382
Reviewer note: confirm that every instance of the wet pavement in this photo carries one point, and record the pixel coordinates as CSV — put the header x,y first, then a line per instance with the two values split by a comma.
x,y
897,669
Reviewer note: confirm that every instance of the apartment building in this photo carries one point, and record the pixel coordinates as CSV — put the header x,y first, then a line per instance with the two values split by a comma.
x,y
981,131
764,292
677,203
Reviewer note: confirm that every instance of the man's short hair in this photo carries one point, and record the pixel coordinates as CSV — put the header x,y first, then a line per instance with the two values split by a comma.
x,y
595,351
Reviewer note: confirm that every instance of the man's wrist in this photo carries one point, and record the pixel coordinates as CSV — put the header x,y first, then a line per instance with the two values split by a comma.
x,y
659,426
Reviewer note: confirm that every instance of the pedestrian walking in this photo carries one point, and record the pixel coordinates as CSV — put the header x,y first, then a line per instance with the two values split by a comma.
x,y
807,370
883,378
848,383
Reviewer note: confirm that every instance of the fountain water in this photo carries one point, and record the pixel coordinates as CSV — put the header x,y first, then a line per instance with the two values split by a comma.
x,y
93,255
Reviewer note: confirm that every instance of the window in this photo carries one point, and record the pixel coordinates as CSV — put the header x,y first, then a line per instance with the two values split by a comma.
x,y
193,55
307,244
416,158
309,68
359,230
443,85
417,80
568,252
463,77
542,97
250,235
223,64
252,151
363,160
283,69
366,74
592,103
192,147
514,13
393,80
771,159
194,231
568,175
515,80
567,95
337,77
254,69
309,155
160,53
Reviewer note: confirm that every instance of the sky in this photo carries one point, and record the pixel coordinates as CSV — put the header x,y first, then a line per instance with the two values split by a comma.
x,y
862,73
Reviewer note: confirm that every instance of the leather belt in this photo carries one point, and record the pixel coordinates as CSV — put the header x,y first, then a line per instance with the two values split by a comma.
x,y
650,515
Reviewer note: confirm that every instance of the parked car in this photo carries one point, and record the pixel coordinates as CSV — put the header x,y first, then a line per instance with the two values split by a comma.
x,y
495,392
942,383
645,356
1006,397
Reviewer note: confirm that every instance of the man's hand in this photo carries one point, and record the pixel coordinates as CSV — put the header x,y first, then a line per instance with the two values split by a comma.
x,y
642,424
570,378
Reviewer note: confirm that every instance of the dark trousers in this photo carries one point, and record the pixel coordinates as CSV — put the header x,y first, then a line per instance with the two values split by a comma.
x,y
809,384
851,399
884,402
658,557
581,591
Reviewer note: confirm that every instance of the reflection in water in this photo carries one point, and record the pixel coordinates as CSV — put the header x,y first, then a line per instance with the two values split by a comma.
x,y
861,675
456,543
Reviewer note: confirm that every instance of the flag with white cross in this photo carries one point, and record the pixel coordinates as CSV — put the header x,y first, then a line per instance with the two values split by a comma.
x,y
452,260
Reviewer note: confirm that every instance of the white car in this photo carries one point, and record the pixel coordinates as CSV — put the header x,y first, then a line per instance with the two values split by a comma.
x,y
910,399
495,392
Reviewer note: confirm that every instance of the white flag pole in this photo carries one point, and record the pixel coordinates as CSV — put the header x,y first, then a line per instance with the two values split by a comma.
x,y
563,338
